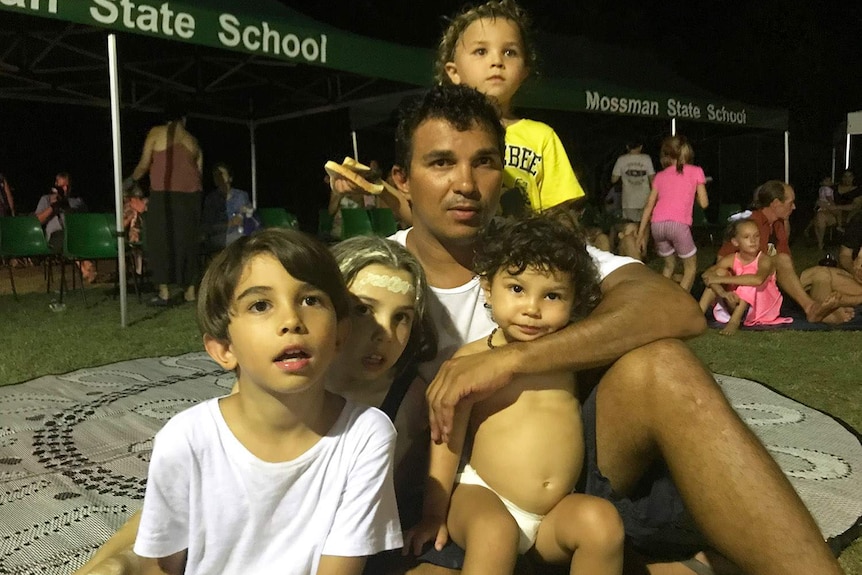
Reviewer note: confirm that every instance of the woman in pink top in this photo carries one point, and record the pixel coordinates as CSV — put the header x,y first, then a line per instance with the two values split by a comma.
x,y
174,161
669,207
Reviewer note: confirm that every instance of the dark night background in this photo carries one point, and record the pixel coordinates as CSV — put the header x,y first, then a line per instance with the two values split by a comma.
x,y
800,55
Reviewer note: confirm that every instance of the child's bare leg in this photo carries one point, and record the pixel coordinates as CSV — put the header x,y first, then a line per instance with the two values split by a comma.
x,y
689,269
669,266
735,319
707,299
485,529
585,532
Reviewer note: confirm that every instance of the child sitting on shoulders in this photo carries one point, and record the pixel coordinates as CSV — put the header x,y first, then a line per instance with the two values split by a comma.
x,y
515,492
282,475
750,276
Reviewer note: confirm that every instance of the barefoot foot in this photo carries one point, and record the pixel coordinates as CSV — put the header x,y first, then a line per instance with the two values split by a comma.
x,y
817,311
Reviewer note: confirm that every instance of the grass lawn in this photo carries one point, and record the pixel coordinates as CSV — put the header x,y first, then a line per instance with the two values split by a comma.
x,y
820,369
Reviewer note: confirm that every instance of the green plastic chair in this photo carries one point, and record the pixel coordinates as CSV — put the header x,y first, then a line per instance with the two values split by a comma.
x,y
383,221
701,226
22,237
277,218
355,222
88,236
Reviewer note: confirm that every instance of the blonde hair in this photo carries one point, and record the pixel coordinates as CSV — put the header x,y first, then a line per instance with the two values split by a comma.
x,y
491,10
675,150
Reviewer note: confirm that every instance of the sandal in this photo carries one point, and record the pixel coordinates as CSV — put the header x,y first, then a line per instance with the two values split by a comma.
x,y
157,301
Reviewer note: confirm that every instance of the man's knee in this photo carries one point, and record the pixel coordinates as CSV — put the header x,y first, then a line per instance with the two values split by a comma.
x,y
664,372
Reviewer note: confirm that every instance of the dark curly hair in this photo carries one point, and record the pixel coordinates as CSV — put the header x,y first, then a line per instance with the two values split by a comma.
x,y
462,107
552,241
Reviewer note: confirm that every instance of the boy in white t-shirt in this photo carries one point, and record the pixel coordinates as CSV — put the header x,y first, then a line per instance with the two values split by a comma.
x,y
283,475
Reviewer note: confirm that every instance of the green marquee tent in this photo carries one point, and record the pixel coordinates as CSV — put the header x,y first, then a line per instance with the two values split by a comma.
x,y
258,61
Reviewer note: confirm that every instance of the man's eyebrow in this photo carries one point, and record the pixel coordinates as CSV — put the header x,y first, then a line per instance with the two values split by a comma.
x,y
489,151
438,155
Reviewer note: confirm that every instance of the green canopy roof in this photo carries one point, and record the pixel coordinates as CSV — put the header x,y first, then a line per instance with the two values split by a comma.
x,y
270,39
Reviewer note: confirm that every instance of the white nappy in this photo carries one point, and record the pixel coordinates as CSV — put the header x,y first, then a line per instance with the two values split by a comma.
x,y
528,523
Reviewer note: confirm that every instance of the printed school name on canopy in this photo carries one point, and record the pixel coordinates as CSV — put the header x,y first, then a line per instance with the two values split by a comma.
x,y
195,23
669,108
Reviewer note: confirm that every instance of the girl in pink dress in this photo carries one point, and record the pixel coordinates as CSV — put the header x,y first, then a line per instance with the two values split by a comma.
x,y
668,210
742,284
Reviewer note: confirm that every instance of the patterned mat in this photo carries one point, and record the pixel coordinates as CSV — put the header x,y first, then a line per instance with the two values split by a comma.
x,y
74,450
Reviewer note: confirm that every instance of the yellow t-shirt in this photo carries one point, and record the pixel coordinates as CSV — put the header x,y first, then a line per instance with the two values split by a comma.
x,y
537,171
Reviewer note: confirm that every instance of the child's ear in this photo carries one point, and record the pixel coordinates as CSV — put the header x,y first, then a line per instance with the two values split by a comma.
x,y
342,332
452,71
735,242
220,351
486,286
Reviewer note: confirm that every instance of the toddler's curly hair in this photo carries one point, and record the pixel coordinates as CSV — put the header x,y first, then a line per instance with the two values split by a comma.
x,y
551,241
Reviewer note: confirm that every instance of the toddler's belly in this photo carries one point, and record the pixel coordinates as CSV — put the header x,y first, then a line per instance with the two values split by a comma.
x,y
531,452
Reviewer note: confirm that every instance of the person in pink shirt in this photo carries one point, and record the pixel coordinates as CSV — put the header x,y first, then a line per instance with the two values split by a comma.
x,y
669,207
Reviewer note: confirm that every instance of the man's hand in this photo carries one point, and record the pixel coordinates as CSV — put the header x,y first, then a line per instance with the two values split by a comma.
x,y
430,528
466,378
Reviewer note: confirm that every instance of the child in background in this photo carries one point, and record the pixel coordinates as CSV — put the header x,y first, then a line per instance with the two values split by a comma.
x,y
515,493
490,47
754,295
668,210
282,451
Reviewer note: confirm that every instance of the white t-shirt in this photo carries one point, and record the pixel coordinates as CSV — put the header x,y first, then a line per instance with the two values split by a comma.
x,y
459,313
238,514
634,171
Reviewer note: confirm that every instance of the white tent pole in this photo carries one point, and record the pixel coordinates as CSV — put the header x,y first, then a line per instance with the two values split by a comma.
x,y
355,146
118,172
673,126
253,139
847,153
786,156
833,163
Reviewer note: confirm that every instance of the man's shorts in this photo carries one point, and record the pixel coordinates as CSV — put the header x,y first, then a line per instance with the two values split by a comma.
x,y
673,237
657,524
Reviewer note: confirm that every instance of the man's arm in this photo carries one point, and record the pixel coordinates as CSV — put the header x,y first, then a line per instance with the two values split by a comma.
x,y
638,306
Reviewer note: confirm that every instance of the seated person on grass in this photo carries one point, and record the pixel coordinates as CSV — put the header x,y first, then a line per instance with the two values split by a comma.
x,y
846,279
282,475
514,495
742,285
774,201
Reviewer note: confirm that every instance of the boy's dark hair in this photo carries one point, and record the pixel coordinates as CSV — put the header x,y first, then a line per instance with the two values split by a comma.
x,y
491,10
461,106
552,241
357,253
767,192
304,257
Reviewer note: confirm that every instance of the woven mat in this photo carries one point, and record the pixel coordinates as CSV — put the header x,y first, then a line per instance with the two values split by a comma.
x,y
74,450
